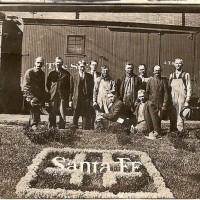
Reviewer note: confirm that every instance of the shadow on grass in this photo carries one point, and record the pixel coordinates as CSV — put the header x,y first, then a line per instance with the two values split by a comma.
x,y
177,139
195,177
45,135
123,138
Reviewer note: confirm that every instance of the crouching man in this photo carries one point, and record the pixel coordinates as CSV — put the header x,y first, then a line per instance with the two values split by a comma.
x,y
115,116
148,121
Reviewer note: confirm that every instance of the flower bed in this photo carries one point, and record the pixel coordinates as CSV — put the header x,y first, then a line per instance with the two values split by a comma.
x,y
95,174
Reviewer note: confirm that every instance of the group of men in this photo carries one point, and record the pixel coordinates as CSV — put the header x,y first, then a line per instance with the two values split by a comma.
x,y
96,96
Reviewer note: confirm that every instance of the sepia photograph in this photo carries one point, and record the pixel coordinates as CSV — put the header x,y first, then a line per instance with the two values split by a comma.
x,y
100,99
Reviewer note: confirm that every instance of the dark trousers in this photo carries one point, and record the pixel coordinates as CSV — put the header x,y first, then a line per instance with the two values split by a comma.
x,y
129,114
57,106
92,117
173,118
34,118
152,118
83,110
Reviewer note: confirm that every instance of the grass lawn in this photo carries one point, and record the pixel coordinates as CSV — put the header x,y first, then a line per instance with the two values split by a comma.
x,y
178,160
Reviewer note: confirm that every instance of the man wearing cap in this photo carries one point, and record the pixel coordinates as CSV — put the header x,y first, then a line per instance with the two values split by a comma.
x,y
157,91
142,77
180,85
34,91
127,89
81,93
102,86
95,74
58,85
148,120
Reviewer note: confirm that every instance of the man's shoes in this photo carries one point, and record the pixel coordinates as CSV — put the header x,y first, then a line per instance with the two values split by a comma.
x,y
152,135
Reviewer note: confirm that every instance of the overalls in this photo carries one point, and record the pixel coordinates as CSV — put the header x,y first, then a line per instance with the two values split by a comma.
x,y
178,93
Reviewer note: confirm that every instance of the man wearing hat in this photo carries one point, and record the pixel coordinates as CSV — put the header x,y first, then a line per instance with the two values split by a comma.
x,y
142,77
34,91
127,89
148,121
80,99
102,86
157,91
180,85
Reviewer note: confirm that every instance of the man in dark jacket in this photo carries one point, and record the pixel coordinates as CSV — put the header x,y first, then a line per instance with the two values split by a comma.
x,y
157,91
127,90
34,91
116,108
58,85
81,95
148,121
93,71
115,118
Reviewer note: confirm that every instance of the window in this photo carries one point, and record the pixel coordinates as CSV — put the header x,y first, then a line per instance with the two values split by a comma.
x,y
75,44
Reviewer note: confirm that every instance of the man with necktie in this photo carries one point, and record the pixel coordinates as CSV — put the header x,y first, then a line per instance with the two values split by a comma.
x,y
93,69
95,74
81,92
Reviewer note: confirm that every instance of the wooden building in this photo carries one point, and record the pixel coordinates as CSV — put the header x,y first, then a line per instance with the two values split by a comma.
x,y
112,43
130,33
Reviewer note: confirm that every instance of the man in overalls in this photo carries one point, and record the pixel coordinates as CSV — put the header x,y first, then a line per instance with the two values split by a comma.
x,y
180,84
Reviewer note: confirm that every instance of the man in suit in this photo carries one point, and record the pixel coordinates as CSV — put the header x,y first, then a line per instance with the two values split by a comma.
x,y
142,77
127,90
157,91
93,69
95,74
58,85
34,91
81,93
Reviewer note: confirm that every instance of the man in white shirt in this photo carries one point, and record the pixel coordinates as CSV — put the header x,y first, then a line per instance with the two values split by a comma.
x,y
102,86
142,77
93,69
180,84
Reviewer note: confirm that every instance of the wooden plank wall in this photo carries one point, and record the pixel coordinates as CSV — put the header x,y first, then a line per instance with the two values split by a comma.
x,y
113,48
